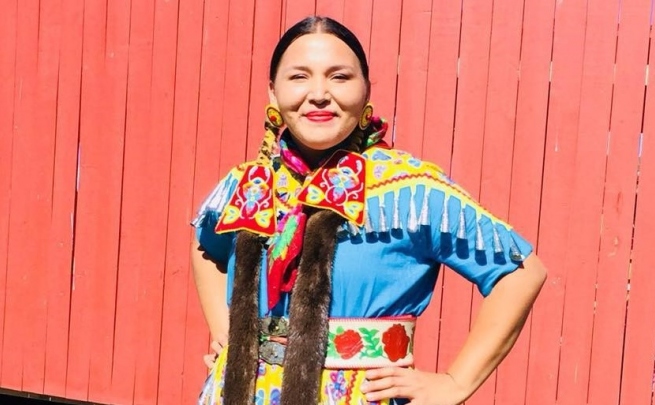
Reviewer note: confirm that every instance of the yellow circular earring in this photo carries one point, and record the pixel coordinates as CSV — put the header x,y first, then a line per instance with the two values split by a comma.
x,y
273,116
367,115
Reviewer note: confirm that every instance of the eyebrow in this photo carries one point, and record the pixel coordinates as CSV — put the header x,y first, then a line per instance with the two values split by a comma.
x,y
329,70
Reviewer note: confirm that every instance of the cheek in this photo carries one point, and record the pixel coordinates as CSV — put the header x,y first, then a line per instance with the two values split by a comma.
x,y
351,100
290,98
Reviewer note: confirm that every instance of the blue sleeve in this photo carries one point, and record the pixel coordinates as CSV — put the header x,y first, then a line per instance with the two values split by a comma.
x,y
218,246
470,240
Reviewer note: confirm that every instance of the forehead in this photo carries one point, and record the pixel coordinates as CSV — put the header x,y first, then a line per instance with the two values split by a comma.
x,y
318,49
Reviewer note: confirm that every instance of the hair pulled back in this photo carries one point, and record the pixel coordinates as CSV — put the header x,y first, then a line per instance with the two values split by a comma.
x,y
313,25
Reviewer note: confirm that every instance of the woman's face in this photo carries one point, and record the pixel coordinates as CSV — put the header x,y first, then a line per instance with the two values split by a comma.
x,y
320,91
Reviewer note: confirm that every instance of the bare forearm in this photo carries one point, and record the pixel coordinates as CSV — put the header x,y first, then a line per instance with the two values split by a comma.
x,y
498,325
211,284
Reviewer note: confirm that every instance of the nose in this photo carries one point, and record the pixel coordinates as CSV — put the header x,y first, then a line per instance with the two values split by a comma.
x,y
319,91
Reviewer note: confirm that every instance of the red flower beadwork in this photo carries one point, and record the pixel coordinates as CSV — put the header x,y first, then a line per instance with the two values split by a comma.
x,y
348,343
395,341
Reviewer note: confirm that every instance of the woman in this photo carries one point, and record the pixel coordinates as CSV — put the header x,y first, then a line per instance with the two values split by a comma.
x,y
328,250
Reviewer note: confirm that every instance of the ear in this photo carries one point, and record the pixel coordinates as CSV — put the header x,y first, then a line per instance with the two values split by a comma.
x,y
271,94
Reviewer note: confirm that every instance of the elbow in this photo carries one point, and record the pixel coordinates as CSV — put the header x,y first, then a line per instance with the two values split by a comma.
x,y
536,271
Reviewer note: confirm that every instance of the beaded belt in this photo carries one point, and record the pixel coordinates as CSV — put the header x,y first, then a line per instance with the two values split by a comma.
x,y
353,343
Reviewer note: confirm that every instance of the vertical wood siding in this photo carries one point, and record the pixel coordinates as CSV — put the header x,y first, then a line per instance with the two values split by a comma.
x,y
118,117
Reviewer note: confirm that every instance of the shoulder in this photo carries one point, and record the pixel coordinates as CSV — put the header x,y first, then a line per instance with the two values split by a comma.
x,y
222,192
390,169
401,187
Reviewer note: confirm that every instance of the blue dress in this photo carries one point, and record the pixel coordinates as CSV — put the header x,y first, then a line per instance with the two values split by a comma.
x,y
416,219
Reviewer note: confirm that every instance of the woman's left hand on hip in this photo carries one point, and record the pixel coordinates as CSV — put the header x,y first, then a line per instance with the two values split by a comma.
x,y
422,388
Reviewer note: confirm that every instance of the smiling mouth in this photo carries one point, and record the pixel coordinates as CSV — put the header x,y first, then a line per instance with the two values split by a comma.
x,y
320,116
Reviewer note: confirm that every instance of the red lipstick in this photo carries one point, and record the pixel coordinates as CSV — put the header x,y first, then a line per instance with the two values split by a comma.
x,y
320,116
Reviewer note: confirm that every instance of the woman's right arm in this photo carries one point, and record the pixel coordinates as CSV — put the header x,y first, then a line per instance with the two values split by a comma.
x,y
211,282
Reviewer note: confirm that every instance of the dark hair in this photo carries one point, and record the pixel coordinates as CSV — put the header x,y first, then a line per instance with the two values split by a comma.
x,y
312,25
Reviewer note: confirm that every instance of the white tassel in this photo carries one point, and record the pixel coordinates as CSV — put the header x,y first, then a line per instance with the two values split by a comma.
x,y
498,245
479,238
354,229
412,221
514,252
367,224
445,226
382,227
223,199
215,202
395,222
461,231
424,218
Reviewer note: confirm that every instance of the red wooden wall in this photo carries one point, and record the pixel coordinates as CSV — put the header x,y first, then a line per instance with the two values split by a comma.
x,y
118,116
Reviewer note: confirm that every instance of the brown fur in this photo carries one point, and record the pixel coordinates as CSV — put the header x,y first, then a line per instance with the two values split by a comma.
x,y
242,356
308,311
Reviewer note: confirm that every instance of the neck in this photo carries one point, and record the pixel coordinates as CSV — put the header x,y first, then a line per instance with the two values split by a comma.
x,y
312,157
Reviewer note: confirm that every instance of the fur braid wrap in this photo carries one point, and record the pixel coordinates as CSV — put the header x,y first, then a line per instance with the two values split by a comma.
x,y
308,311
243,337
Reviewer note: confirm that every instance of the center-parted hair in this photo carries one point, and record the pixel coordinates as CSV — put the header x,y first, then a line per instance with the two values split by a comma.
x,y
313,25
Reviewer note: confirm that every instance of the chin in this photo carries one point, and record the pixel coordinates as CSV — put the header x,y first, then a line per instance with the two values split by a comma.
x,y
321,146
318,143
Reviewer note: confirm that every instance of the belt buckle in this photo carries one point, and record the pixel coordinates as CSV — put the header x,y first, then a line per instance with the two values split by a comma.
x,y
272,352
274,326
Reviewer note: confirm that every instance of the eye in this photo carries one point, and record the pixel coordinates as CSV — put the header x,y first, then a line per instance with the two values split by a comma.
x,y
297,76
340,77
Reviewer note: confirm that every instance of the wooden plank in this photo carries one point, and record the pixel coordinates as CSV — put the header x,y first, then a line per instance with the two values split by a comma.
x,y
441,84
195,346
560,148
531,116
104,82
296,10
586,198
385,48
31,168
528,159
357,17
334,9
619,202
639,351
268,15
500,120
7,88
63,197
181,383
163,96
41,148
212,97
466,165
437,139
142,236
412,75
81,333
102,384
238,66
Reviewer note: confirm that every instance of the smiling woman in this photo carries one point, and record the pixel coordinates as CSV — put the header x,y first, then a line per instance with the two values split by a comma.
x,y
313,263
321,91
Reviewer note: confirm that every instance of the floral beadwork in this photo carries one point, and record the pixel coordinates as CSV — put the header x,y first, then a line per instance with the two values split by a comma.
x,y
337,387
339,185
370,344
396,342
251,207
348,343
